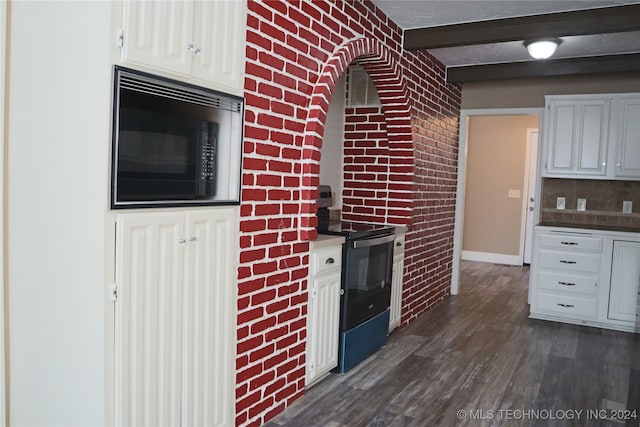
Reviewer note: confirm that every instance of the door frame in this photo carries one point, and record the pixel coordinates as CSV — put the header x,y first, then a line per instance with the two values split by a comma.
x,y
4,33
462,174
527,175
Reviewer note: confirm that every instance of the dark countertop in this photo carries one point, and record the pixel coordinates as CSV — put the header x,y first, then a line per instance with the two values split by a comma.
x,y
592,227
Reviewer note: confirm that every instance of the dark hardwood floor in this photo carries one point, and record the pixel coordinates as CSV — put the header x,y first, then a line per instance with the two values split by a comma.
x,y
478,352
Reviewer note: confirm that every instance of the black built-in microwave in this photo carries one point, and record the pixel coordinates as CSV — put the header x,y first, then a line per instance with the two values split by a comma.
x,y
169,139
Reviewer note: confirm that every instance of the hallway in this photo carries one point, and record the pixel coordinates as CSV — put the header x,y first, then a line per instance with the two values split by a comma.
x,y
476,359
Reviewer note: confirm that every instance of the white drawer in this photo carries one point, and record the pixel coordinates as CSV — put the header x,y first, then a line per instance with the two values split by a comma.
x,y
398,246
326,259
570,261
569,306
571,242
569,283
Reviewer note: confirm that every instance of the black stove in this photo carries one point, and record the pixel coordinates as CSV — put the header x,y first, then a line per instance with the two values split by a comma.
x,y
357,230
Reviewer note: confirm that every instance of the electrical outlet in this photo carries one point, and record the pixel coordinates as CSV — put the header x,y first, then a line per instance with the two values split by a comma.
x,y
581,205
514,194
560,203
627,206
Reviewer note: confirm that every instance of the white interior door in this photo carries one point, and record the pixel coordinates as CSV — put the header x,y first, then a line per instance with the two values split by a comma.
x,y
532,168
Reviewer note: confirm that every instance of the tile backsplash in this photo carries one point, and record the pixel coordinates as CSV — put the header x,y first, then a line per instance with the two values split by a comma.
x,y
603,202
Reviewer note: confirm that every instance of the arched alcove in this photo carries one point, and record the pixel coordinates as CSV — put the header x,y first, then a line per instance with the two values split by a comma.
x,y
384,71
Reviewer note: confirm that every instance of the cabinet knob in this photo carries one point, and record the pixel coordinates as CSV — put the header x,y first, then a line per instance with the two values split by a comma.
x,y
193,239
330,261
398,244
182,241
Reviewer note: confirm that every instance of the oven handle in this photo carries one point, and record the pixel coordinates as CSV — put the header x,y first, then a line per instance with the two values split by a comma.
x,y
366,243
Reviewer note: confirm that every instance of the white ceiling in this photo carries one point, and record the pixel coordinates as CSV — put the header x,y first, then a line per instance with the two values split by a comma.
x,y
429,13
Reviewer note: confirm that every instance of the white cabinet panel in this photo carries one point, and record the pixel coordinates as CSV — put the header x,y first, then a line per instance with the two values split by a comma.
x,y
577,136
324,310
209,321
625,278
562,131
569,306
219,29
324,314
149,326
397,278
573,242
570,261
567,283
175,318
628,137
157,33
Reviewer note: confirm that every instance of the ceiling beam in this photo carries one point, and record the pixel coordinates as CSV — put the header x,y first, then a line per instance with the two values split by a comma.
x,y
545,68
580,22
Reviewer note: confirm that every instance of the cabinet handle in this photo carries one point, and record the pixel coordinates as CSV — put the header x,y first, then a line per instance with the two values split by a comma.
x,y
398,244
568,243
566,305
182,241
193,239
330,261
193,49
566,283
567,262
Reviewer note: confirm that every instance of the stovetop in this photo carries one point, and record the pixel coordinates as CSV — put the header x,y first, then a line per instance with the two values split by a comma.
x,y
357,230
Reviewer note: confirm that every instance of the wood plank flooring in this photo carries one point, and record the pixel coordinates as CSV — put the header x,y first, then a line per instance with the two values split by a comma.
x,y
478,351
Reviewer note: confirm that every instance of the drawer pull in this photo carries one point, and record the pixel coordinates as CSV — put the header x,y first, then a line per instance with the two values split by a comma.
x,y
569,243
567,262
330,261
566,283
566,305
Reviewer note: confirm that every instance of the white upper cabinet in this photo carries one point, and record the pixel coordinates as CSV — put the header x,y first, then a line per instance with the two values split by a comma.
x,y
577,136
155,33
627,126
593,136
219,31
203,41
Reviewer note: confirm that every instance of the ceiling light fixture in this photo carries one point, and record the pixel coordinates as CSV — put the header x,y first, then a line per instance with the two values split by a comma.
x,y
542,49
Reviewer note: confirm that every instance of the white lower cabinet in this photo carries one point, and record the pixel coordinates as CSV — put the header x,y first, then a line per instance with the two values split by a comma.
x,y
625,278
175,318
587,277
325,267
395,308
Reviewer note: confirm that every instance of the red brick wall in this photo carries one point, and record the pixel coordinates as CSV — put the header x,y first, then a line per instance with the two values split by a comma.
x,y
296,51
365,196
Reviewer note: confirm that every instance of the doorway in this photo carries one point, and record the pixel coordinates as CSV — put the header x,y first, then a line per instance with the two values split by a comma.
x,y
493,196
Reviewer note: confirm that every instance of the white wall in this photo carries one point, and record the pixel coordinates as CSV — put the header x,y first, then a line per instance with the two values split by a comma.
x,y
58,155
331,158
3,62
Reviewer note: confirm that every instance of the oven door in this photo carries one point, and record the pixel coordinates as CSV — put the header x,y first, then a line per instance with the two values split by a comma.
x,y
367,279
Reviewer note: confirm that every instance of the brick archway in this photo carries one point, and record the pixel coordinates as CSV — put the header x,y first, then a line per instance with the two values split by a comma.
x,y
384,71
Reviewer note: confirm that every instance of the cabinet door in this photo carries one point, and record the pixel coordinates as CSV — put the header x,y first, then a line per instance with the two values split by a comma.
x,y
625,278
210,319
157,33
577,137
324,314
219,33
628,137
149,311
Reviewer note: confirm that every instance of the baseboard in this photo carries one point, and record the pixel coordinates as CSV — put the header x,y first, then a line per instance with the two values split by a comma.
x,y
491,258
